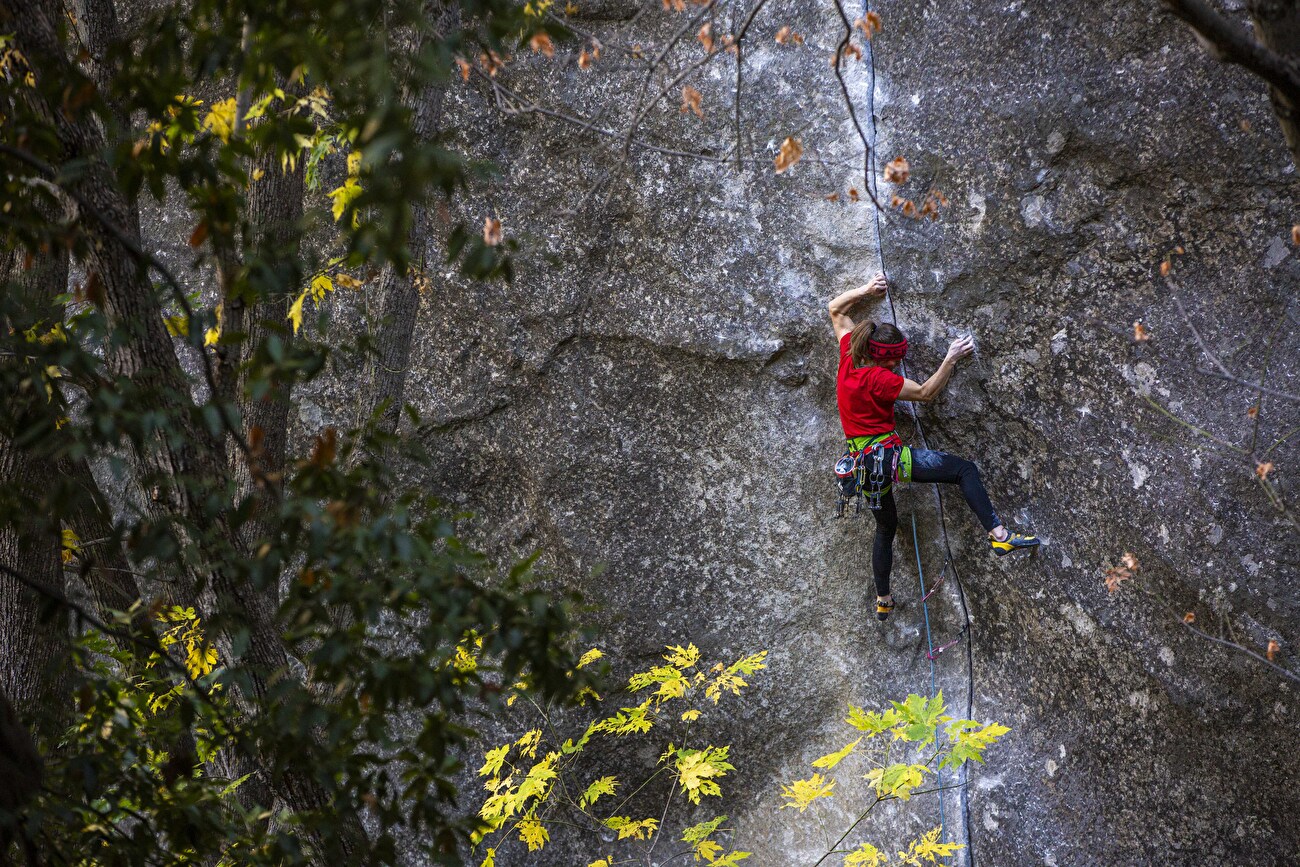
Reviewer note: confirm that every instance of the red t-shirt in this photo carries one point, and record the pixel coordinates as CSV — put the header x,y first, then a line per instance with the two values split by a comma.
x,y
866,396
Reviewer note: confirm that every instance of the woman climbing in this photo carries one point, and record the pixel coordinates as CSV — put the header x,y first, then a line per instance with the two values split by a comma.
x,y
867,387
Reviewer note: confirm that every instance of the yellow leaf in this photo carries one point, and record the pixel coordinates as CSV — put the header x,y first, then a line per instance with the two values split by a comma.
x,y
258,174
830,760
682,657
220,120
528,743
865,855
212,335
602,786
321,284
69,545
589,657
347,281
801,793
295,311
690,715
354,164
177,326
344,196
494,760
490,860
533,833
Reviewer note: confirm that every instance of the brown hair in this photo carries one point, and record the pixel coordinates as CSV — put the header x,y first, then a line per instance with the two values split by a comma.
x,y
864,331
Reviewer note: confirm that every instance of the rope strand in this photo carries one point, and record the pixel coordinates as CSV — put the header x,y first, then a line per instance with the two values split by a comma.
x,y
949,562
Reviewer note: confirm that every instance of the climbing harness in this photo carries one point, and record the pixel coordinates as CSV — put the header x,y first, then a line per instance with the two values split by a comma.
x,y
865,474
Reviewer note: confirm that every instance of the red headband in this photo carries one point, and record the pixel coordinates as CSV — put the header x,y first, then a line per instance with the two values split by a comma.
x,y
885,351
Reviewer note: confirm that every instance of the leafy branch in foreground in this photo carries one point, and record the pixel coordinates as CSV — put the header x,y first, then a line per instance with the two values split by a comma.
x,y
531,797
917,723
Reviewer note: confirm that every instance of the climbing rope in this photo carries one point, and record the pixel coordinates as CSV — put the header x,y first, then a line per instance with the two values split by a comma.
x,y
949,563
920,577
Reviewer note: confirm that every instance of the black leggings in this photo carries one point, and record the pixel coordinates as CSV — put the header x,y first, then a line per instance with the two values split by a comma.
x,y
927,466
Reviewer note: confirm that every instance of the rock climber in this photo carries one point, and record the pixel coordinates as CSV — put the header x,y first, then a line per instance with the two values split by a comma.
x,y
867,387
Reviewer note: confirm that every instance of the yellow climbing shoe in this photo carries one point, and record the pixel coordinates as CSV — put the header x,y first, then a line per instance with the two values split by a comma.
x,y
883,609
1013,542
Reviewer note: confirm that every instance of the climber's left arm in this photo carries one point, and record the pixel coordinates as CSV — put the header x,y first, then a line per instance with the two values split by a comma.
x,y
841,304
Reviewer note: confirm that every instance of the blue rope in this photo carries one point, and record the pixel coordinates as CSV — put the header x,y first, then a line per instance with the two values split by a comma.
x,y
920,577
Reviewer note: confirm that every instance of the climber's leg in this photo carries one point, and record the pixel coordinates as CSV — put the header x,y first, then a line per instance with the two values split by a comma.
x,y
931,466
882,547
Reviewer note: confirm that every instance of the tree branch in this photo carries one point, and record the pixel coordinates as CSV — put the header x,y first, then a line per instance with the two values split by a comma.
x,y
1231,44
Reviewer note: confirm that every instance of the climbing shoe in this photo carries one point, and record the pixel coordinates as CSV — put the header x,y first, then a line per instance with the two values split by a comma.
x,y
1013,542
883,609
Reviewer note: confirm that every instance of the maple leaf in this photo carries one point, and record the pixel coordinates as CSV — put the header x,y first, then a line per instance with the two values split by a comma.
x,y
464,67
705,35
533,833
602,786
1273,648
1115,576
1140,332
833,197
909,208
584,60
674,5
801,793
865,855
790,153
1130,562
1165,267
897,171
220,120
1263,469
1253,411
830,760
542,44
491,231
691,101
852,50
492,62
853,194
1189,617
787,36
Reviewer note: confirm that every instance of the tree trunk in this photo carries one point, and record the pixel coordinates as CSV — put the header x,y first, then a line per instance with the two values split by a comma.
x,y
33,627
275,207
399,294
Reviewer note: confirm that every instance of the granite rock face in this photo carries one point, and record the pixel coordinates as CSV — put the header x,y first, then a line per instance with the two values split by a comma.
x,y
653,396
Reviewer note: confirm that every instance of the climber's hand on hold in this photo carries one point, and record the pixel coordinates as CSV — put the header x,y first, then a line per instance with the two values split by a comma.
x,y
960,348
877,286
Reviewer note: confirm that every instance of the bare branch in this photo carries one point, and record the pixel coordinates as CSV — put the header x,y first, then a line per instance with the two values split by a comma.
x,y
1231,44
1223,373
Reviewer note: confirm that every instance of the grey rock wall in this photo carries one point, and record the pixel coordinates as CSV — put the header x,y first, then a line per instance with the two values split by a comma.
x,y
654,396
